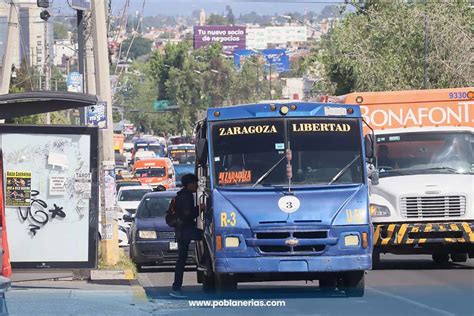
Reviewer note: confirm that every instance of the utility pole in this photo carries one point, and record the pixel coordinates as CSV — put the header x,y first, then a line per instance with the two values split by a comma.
x,y
106,155
12,35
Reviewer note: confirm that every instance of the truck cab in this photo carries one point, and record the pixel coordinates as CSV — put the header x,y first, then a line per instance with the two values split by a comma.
x,y
285,191
423,202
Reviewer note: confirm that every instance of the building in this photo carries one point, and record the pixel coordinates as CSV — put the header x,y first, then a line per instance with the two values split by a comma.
x,y
202,17
4,13
64,51
275,36
297,88
32,35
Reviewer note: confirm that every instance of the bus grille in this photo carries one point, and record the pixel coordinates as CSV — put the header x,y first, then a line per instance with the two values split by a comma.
x,y
433,206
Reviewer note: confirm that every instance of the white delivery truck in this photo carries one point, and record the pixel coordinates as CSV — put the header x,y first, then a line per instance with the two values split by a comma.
x,y
423,202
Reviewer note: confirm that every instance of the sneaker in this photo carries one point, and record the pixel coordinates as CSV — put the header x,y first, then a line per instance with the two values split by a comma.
x,y
177,294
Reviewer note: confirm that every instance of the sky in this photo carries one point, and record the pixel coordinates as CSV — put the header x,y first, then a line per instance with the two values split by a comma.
x,y
186,7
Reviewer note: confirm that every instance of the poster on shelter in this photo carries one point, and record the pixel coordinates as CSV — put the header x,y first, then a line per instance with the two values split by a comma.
x,y
18,188
51,211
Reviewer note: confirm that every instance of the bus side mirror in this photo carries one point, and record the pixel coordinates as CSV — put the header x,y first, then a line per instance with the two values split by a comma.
x,y
369,147
201,152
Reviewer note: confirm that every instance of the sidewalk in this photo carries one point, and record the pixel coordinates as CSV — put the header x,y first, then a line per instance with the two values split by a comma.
x,y
39,296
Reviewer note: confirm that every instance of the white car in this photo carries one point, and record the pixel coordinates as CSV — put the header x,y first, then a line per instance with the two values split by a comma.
x,y
129,197
144,154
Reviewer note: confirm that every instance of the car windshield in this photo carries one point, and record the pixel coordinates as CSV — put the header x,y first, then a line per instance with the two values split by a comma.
x,y
157,149
150,172
125,184
246,151
152,207
133,195
434,152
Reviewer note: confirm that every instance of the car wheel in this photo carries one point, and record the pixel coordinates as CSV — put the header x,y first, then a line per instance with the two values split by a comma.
x,y
353,283
459,257
441,258
138,266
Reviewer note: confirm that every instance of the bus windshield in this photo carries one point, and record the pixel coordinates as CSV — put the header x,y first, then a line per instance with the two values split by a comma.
x,y
150,173
244,151
422,153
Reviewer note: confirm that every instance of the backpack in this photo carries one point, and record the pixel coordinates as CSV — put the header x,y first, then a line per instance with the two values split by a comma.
x,y
171,217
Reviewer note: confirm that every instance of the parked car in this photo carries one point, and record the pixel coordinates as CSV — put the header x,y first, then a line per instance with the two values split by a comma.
x,y
129,197
155,172
152,241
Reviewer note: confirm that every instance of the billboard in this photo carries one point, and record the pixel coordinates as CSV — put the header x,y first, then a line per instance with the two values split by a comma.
x,y
231,37
278,59
51,206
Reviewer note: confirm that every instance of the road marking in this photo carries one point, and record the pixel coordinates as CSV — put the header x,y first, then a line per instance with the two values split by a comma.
x,y
409,301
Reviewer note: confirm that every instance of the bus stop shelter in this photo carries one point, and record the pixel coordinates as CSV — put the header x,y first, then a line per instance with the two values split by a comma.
x,y
20,104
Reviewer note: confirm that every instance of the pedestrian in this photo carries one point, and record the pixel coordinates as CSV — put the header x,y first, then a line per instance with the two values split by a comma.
x,y
119,175
186,229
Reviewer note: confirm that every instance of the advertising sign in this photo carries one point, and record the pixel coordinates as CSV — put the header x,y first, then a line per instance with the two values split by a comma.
x,y
18,188
53,218
96,115
275,58
74,82
231,37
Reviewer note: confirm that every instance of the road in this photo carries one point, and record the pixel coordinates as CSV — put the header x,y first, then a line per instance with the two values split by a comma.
x,y
404,285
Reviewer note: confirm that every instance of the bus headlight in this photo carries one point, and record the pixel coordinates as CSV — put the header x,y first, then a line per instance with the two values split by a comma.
x,y
379,210
232,242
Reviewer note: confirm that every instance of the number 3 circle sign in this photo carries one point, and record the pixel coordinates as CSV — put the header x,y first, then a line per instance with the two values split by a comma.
x,y
289,204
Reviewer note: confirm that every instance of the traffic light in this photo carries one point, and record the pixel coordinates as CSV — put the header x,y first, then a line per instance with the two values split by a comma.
x,y
42,3
44,15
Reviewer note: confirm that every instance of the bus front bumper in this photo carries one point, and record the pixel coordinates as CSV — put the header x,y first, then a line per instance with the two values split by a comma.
x,y
294,264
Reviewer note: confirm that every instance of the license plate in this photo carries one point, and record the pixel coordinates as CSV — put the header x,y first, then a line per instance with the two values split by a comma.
x,y
173,245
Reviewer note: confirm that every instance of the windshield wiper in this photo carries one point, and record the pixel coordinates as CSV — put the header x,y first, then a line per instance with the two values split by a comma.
x,y
343,170
268,172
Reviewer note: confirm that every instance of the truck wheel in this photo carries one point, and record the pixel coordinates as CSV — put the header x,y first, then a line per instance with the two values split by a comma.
x,y
375,259
225,282
208,283
328,283
459,257
441,258
353,284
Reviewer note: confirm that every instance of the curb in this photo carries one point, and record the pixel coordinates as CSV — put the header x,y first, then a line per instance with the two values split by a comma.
x,y
115,275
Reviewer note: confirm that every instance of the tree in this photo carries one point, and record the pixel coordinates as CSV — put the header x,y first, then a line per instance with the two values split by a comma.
x,y
216,19
139,46
60,31
382,47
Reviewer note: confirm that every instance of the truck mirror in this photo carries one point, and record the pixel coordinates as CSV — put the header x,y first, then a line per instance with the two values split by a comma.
x,y
369,147
373,174
201,151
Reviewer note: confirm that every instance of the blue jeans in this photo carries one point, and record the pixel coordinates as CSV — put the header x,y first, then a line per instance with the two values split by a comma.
x,y
183,240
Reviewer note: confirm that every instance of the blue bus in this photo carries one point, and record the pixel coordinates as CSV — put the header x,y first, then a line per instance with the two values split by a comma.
x,y
284,189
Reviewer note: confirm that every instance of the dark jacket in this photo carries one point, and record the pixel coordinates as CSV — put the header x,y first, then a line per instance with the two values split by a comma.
x,y
185,208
